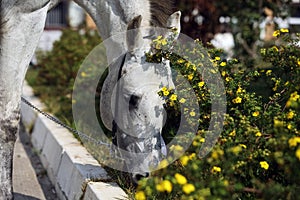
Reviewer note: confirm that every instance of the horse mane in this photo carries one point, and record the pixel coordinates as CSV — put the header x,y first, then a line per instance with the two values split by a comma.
x,y
160,11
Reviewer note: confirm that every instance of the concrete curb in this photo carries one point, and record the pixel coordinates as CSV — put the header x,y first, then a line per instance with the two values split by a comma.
x,y
70,167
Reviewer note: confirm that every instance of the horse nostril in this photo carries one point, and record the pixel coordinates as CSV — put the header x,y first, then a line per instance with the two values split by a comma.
x,y
138,177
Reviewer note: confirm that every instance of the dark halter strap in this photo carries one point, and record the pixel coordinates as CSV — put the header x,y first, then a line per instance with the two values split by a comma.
x,y
121,67
114,124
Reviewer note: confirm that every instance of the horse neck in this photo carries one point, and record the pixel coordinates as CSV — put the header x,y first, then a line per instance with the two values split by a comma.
x,y
112,16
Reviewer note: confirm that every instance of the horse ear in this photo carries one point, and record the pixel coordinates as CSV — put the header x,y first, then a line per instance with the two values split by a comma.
x,y
134,37
173,24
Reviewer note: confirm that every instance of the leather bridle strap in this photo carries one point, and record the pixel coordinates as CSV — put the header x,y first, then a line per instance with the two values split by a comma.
x,y
114,124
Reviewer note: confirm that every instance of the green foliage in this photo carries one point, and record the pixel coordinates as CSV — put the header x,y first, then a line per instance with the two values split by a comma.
x,y
53,78
247,15
244,24
257,155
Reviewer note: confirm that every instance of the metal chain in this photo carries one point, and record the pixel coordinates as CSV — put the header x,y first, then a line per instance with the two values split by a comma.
x,y
57,121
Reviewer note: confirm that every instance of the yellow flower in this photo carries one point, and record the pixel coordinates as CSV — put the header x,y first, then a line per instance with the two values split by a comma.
x,y
236,149
294,141
140,195
165,185
173,97
232,133
158,38
195,143
298,62
166,93
264,165
159,188
276,33
255,114
164,42
237,100
275,48
164,163
181,180
289,126
215,155
158,45
223,140
192,156
179,61
192,113
222,64
294,96
258,134
243,146
290,115
176,148
172,103
184,160
201,84
227,79
298,153
226,183
83,74
268,73
164,89
217,58
160,41
284,30
188,188
223,73
239,90
287,83
216,169
190,76
182,100
194,67
278,123
187,64
213,71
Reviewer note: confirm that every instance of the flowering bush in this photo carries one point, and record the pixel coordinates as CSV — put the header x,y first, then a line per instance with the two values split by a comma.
x,y
258,152
53,78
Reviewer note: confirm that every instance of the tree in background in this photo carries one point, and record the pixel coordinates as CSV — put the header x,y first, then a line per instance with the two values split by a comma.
x,y
202,19
199,18
246,17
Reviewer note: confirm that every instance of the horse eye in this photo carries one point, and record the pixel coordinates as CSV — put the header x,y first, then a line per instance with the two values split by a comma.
x,y
133,101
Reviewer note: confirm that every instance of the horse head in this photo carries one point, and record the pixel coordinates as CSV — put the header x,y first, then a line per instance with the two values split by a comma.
x,y
135,113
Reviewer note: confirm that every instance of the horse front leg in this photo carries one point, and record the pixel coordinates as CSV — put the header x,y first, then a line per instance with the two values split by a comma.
x,y
8,131
21,28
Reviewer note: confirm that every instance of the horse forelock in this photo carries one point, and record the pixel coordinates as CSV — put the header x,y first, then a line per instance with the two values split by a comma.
x,y
160,11
154,12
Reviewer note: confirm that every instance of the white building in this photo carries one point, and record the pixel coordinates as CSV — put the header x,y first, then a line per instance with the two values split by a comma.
x,y
65,14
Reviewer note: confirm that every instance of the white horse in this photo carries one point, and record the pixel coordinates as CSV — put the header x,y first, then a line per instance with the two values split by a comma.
x,y
22,23
135,108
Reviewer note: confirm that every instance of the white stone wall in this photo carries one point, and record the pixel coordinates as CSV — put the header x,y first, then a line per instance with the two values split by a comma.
x,y
71,168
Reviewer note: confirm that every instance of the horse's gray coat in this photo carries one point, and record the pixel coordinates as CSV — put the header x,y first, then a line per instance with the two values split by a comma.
x,y
22,23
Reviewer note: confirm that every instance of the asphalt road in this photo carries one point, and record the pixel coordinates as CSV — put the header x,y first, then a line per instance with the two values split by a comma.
x,y
30,180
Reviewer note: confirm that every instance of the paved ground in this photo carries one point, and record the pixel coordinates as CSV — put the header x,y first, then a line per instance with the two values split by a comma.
x,y
30,179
